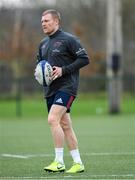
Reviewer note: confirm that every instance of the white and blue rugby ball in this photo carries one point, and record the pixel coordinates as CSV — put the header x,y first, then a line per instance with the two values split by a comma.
x,y
43,73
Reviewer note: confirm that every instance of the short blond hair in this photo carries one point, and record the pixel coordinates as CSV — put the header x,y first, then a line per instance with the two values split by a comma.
x,y
54,13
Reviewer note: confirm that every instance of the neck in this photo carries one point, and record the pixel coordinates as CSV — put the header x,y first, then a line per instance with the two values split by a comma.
x,y
53,31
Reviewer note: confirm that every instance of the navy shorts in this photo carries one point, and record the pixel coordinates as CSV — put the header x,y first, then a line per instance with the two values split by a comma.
x,y
61,98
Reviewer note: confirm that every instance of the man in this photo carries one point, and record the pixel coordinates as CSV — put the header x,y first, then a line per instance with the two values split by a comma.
x,y
64,52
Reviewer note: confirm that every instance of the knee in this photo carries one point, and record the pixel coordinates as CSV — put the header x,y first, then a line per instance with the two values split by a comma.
x,y
52,120
65,126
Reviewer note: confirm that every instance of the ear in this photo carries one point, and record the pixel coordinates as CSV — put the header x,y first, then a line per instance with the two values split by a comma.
x,y
57,21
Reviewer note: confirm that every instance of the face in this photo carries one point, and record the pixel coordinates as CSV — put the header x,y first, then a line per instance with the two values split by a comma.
x,y
49,24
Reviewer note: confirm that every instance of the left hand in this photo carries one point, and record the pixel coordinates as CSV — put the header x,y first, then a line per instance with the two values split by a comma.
x,y
57,72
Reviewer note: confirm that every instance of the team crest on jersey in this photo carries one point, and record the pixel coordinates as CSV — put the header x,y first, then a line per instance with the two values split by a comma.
x,y
57,44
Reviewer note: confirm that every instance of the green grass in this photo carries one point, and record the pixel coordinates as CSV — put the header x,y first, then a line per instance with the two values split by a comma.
x,y
85,104
106,144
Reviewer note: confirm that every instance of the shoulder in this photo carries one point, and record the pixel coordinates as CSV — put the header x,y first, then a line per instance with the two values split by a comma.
x,y
69,36
43,41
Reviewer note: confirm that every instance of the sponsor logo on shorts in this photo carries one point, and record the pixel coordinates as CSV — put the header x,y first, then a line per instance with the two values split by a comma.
x,y
59,101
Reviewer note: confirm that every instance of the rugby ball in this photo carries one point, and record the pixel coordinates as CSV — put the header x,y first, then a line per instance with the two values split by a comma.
x,y
43,73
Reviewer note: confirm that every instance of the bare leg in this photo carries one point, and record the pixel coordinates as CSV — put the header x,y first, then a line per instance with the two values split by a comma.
x,y
69,133
54,117
61,128
70,138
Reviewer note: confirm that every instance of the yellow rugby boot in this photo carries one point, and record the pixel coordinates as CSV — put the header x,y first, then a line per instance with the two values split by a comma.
x,y
76,168
55,167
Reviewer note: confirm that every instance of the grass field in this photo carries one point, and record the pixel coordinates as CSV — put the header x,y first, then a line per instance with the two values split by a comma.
x,y
107,143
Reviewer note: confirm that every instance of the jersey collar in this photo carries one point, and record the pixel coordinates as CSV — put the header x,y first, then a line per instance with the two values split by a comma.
x,y
55,34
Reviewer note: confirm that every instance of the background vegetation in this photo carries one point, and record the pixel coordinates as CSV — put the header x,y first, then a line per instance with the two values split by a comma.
x,y
20,34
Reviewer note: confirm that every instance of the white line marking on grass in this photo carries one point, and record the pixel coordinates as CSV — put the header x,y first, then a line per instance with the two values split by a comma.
x,y
14,156
78,177
51,155
109,154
